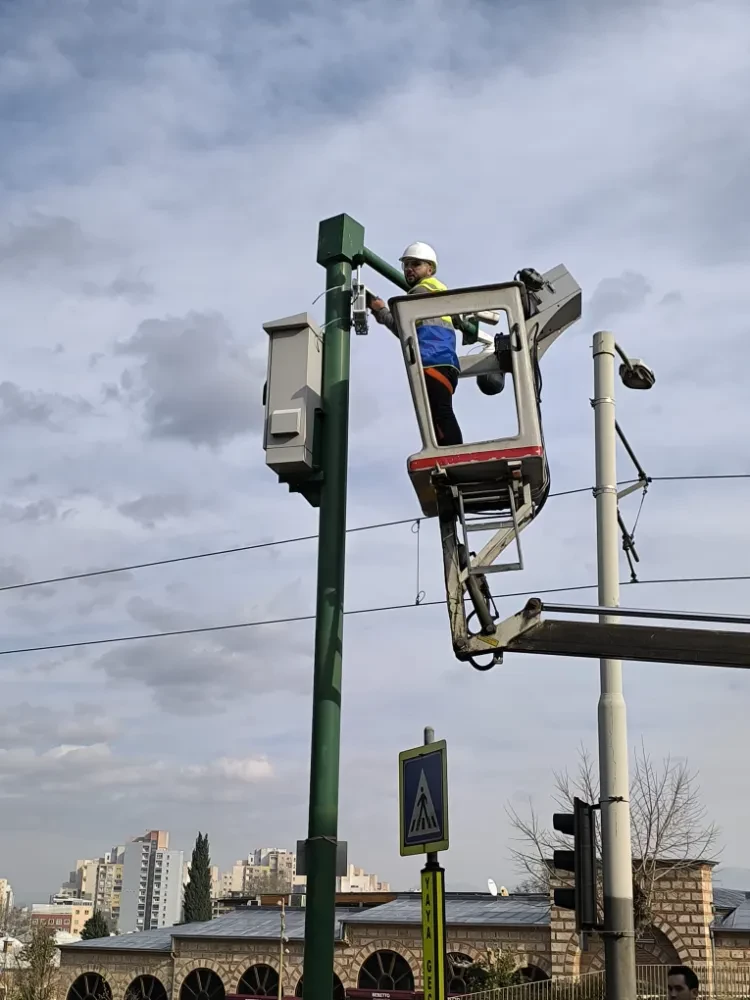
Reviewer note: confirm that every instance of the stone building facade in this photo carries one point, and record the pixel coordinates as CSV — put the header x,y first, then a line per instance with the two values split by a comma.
x,y
683,931
379,948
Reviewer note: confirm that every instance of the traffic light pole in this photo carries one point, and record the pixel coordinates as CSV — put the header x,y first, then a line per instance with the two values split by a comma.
x,y
617,865
340,239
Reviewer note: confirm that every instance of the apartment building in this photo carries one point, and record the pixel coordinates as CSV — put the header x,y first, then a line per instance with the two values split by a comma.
x,y
279,862
358,880
108,888
266,869
62,914
100,880
152,883
273,869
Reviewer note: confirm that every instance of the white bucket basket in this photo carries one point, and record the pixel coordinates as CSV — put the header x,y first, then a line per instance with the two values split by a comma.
x,y
488,465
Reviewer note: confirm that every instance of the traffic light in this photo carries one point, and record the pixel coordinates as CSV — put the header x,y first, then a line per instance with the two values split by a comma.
x,y
581,861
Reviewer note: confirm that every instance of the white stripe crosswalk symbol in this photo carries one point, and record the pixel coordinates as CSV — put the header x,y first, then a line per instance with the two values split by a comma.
x,y
424,820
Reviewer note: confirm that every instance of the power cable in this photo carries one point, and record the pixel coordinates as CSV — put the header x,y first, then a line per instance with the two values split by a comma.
x,y
192,556
685,479
88,574
354,611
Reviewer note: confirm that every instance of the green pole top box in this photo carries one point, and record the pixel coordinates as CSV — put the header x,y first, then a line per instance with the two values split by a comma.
x,y
340,238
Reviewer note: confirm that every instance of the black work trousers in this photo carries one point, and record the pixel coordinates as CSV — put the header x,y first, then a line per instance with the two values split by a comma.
x,y
441,383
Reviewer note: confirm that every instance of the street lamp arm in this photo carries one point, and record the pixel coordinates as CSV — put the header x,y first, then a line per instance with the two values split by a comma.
x,y
625,359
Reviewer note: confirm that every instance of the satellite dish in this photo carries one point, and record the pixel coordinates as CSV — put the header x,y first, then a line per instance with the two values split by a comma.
x,y
492,887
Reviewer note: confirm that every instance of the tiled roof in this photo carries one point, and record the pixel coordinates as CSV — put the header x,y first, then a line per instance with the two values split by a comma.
x,y
255,922
728,899
261,922
467,909
158,940
738,919
461,908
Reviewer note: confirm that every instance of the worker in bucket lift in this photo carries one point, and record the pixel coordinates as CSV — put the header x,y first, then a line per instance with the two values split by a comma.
x,y
437,341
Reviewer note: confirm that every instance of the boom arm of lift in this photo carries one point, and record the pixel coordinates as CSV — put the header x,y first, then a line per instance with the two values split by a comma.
x,y
500,484
528,632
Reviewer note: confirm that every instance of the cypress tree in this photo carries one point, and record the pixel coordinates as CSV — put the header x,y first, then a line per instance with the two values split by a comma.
x,y
198,889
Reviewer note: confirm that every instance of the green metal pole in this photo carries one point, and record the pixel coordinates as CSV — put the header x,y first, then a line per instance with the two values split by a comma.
x,y
339,240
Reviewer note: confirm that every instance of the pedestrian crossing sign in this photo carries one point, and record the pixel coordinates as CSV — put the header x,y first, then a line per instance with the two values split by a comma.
x,y
423,799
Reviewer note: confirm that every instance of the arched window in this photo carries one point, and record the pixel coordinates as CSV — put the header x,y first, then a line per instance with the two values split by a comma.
x,y
339,993
90,986
202,984
385,970
653,947
533,974
146,988
458,963
259,981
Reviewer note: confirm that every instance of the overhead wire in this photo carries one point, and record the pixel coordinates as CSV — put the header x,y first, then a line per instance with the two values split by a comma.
x,y
293,619
685,479
193,556
86,574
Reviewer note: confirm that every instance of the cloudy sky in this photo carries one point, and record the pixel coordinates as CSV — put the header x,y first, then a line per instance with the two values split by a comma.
x,y
162,178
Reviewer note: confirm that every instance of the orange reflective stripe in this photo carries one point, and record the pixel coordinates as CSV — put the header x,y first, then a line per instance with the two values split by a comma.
x,y
434,373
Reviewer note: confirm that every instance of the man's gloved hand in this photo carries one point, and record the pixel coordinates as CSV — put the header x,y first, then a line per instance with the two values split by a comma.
x,y
376,305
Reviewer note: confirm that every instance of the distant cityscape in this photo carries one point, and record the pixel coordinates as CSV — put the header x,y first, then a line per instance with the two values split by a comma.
x,y
139,886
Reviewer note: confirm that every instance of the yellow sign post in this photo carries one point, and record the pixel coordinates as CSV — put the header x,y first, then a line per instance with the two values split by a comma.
x,y
423,822
433,931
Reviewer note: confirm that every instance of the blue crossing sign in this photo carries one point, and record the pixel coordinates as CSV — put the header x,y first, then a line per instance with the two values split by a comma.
x,y
423,798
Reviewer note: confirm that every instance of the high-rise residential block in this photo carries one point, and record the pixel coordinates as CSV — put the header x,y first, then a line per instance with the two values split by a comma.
x,y
152,883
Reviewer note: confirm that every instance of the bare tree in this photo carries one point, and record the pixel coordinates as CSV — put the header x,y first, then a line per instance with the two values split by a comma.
x,y
669,826
18,923
260,883
34,977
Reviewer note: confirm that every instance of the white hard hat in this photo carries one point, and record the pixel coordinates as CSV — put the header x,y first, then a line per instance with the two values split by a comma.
x,y
420,251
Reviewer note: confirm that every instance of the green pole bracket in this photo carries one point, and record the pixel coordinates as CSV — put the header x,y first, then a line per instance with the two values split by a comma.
x,y
469,328
385,269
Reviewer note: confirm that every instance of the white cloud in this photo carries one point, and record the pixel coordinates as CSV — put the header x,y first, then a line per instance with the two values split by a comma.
x,y
248,770
95,769
27,724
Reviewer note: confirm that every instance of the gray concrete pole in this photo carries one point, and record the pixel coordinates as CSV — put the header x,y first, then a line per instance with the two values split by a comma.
x,y
619,938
